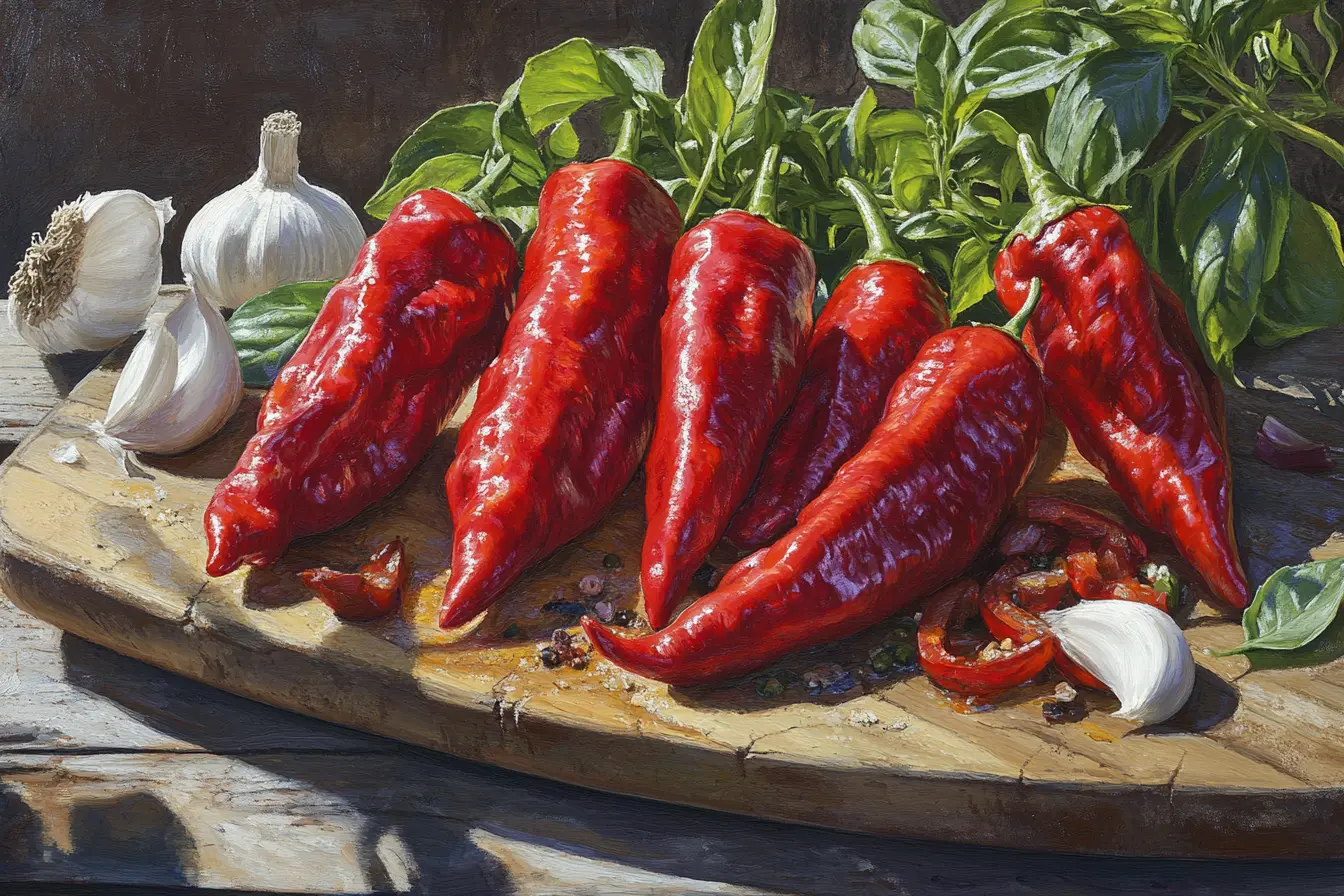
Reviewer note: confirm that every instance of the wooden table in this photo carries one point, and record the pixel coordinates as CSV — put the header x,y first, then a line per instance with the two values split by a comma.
x,y
116,773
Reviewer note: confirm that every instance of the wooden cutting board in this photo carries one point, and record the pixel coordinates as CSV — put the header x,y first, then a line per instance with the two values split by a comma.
x,y
1252,767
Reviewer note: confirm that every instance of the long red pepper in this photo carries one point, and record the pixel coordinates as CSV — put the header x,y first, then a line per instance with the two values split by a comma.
x,y
734,341
1115,355
562,419
905,515
878,317
388,358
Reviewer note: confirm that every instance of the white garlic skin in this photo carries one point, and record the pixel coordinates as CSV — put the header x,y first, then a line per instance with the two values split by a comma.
x,y
273,229
181,383
117,277
1137,651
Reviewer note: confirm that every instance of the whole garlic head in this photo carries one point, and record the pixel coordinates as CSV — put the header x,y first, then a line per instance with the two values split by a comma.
x,y
180,385
273,229
1137,651
88,282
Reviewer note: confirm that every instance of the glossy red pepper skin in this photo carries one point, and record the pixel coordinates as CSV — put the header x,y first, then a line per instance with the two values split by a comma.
x,y
563,417
872,326
734,342
362,596
1136,405
386,362
904,516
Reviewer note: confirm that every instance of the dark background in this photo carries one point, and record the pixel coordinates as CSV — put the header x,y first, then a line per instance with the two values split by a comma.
x,y
167,98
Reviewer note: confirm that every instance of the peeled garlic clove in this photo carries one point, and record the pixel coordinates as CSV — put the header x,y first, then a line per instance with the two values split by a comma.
x,y
1138,652
273,229
88,282
181,383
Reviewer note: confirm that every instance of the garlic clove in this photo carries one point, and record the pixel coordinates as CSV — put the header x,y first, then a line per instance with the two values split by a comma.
x,y
273,229
191,349
88,282
1137,651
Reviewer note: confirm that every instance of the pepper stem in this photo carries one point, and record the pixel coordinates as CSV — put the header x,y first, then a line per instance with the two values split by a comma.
x,y
711,158
479,195
881,244
1051,197
763,193
1018,322
627,142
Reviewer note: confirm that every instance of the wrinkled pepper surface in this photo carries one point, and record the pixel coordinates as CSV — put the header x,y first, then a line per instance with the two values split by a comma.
x,y
734,341
386,362
873,324
563,417
372,591
1116,352
903,517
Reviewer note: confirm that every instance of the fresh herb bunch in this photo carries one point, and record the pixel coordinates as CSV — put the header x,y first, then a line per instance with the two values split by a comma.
x,y
1175,110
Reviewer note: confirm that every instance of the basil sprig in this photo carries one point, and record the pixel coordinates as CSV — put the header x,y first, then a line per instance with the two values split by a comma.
x,y
269,328
1293,607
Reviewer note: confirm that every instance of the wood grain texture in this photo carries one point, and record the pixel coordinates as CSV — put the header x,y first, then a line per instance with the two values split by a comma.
x,y
1250,768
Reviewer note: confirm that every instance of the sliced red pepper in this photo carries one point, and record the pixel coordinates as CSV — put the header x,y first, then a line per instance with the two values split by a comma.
x,y
373,591
1084,575
1077,674
1138,593
1042,590
1025,537
974,675
1083,522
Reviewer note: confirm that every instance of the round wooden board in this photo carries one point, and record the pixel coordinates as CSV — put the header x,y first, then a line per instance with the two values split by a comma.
x,y
1252,767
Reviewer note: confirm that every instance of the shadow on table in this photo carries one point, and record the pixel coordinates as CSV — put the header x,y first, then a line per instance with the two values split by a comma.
x,y
459,827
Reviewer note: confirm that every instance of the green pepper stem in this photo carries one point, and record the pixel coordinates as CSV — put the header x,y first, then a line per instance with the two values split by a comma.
x,y
763,194
478,196
711,158
1051,197
1018,322
881,244
627,142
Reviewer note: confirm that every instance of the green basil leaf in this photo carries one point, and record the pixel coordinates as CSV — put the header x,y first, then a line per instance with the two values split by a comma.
x,y
1028,53
934,225
1331,31
451,172
1294,606
563,142
972,275
513,136
1105,115
1235,22
644,68
887,37
269,328
856,150
564,79
937,59
728,63
1229,225
914,179
985,126
987,16
1307,292
460,129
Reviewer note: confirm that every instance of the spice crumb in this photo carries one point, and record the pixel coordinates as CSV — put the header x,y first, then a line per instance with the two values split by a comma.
x,y
863,717
591,586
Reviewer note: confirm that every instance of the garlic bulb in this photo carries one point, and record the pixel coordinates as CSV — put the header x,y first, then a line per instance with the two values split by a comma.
x,y
273,229
1137,651
181,383
88,282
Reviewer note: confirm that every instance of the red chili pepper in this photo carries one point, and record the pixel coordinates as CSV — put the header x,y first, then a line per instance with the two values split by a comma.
x,y
1136,405
981,674
905,515
1128,549
388,358
734,341
361,596
563,417
872,326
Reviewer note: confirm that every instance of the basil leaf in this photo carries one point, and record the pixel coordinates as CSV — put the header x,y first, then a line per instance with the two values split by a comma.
x,y
887,128
887,37
451,172
856,151
1229,225
1235,22
937,58
562,143
644,68
986,16
972,275
1029,53
914,179
269,328
564,79
1331,31
1294,606
513,136
728,62
1105,115
1307,292
460,129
